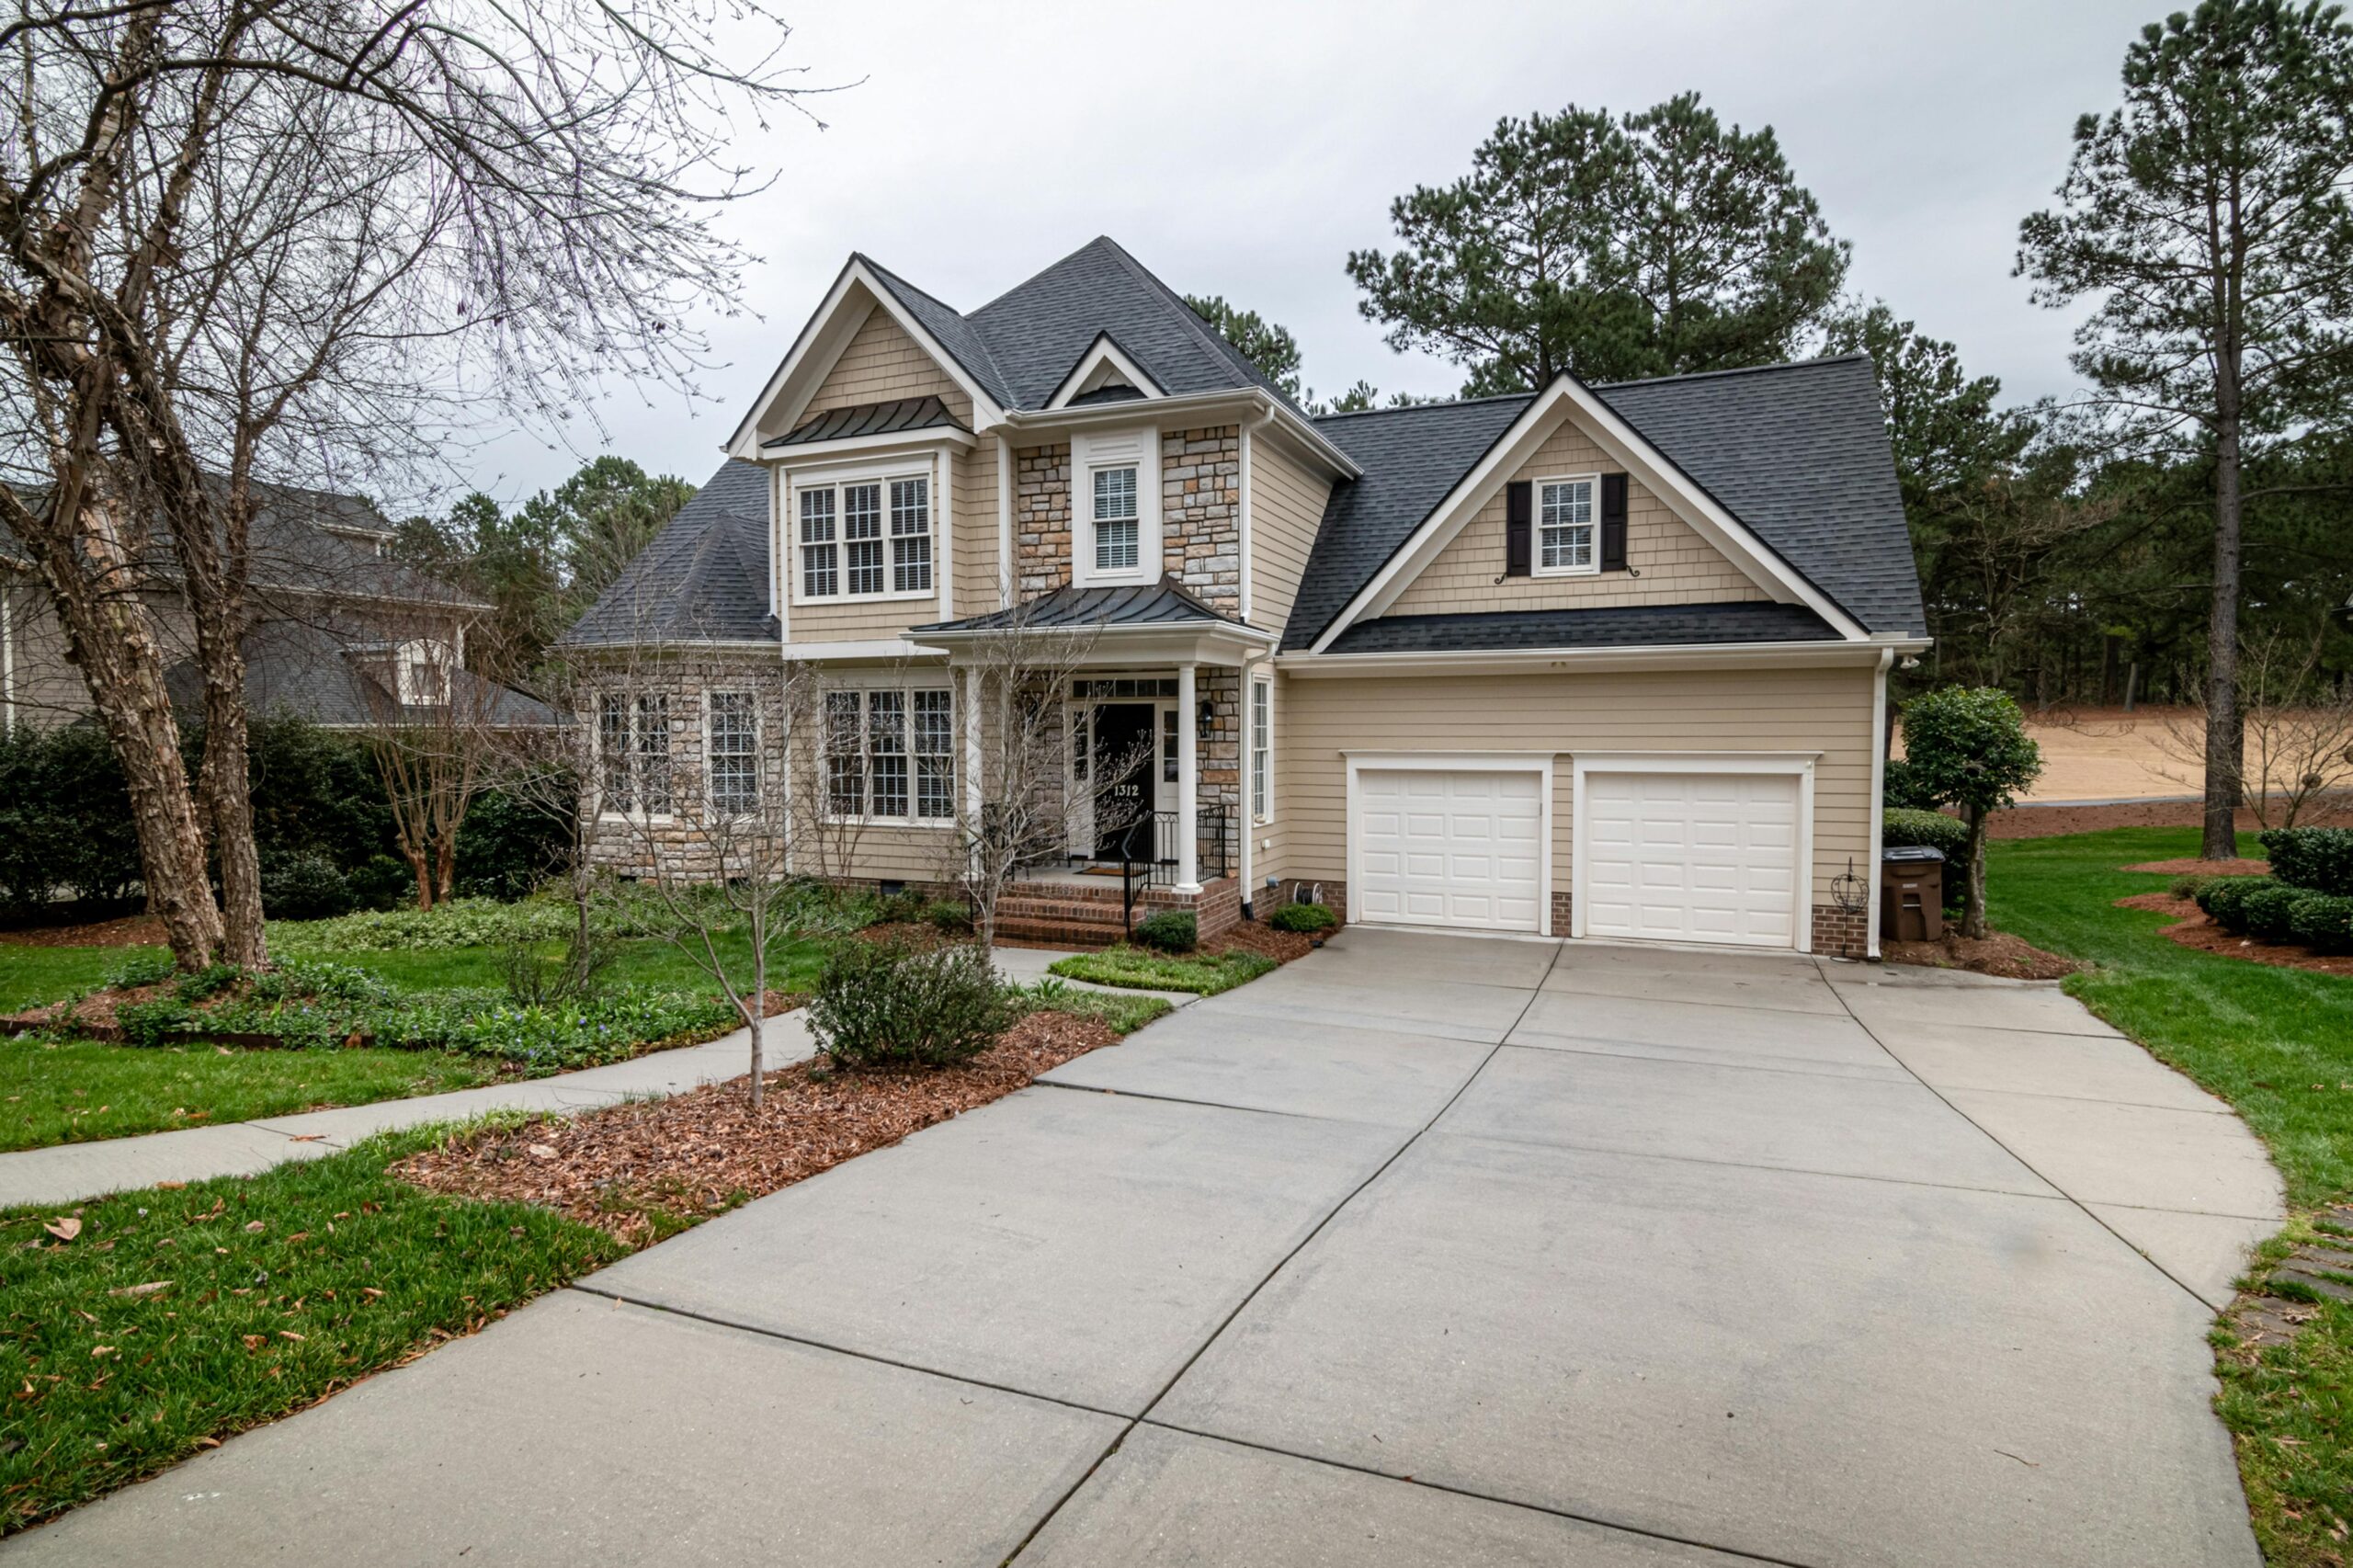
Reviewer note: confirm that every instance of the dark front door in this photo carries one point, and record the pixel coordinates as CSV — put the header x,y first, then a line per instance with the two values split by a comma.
x,y
1122,773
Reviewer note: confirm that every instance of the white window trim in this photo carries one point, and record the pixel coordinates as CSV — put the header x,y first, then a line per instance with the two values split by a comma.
x,y
943,680
796,484
1258,684
1799,764
1091,450
759,782
605,812
1537,762
1536,567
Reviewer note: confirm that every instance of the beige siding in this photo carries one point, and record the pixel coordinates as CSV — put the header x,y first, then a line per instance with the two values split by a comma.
x,y
1287,500
1270,840
976,529
881,364
1668,562
1825,710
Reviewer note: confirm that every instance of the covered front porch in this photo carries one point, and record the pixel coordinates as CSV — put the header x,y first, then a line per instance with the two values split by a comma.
x,y
1142,691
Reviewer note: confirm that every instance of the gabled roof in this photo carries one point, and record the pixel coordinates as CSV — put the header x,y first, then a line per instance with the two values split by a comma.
x,y
1618,626
1165,603
1797,454
703,579
868,419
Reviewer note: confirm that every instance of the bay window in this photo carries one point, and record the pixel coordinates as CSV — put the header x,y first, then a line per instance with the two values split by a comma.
x,y
634,752
733,754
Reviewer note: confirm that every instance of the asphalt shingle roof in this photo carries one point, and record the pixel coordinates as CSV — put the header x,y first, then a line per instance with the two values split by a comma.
x,y
1626,626
703,579
308,672
1163,603
1797,452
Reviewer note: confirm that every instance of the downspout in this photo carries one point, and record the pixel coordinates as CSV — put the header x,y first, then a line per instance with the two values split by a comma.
x,y
1878,799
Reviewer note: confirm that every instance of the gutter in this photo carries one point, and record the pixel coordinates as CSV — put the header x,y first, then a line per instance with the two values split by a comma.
x,y
1878,801
1536,661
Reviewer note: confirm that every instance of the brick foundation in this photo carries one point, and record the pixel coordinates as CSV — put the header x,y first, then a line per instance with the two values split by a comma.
x,y
1560,914
1083,916
1840,933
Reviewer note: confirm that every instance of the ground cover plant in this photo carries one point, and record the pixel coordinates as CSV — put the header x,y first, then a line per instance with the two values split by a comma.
x,y
1207,973
2278,1044
140,1327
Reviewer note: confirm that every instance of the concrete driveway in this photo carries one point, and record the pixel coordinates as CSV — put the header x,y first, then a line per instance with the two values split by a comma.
x,y
1427,1249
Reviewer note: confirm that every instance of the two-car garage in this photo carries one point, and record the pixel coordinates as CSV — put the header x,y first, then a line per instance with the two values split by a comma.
x,y
1691,848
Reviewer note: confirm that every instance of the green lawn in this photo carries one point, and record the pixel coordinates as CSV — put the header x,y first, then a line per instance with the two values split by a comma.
x,y
1143,969
2278,1044
29,976
182,1315
70,1091
639,961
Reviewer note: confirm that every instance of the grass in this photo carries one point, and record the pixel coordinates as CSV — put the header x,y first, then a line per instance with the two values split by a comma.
x,y
29,976
2278,1044
1120,1015
639,961
1143,969
177,1317
72,1091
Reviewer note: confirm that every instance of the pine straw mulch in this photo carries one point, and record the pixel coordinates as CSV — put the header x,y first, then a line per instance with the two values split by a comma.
x,y
641,1172
1256,936
2192,867
2191,928
1998,953
130,931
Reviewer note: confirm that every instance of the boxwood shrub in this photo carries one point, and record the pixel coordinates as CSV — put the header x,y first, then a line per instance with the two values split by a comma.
x,y
2323,922
1901,828
2269,910
1307,917
2317,859
1171,931
2225,900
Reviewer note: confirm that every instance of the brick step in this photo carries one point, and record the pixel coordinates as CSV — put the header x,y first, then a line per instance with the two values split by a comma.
x,y
1062,934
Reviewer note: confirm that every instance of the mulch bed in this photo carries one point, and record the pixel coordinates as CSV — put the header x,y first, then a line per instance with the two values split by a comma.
x,y
130,931
2191,928
1256,936
2012,958
2051,821
641,1171
2192,867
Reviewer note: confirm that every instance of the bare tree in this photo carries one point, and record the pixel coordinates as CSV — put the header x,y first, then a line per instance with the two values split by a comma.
x,y
1041,782
2297,754
246,239
431,728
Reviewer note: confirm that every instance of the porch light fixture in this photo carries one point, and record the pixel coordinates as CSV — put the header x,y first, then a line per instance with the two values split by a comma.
x,y
1205,721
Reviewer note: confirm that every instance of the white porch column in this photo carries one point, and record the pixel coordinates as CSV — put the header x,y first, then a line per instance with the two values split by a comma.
x,y
972,747
1188,786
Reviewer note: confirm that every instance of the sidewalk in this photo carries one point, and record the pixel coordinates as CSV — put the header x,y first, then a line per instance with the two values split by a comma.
x,y
71,1171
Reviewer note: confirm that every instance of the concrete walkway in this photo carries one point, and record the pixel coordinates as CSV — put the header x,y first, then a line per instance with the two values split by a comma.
x,y
72,1171
1425,1249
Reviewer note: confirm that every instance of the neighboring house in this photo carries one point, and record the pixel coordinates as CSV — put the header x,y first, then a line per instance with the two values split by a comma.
x,y
1598,661
345,636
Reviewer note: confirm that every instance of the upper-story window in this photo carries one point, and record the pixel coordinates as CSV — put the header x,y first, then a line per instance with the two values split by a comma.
x,y
866,539
1564,526
1115,491
1116,521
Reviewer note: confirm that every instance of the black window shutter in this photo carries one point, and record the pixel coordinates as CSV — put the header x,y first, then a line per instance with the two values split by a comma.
x,y
1516,510
1613,522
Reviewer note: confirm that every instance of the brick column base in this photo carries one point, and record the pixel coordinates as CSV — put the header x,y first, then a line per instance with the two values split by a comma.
x,y
1841,933
1559,914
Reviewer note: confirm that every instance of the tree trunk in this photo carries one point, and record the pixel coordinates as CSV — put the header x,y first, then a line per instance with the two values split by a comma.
x,y
759,1007
110,637
2226,727
225,777
1973,887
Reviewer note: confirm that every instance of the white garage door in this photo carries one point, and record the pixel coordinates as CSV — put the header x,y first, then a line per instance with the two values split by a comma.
x,y
1448,847
1690,857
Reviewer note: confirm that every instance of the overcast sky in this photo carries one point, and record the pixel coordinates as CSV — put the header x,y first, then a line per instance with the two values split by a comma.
x,y
1244,149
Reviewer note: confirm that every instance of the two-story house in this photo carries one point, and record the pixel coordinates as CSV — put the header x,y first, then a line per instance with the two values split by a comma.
x,y
1594,661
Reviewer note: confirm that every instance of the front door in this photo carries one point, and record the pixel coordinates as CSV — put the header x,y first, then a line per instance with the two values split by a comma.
x,y
1124,767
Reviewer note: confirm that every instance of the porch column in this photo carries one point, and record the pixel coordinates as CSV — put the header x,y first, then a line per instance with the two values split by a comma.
x,y
972,747
1188,786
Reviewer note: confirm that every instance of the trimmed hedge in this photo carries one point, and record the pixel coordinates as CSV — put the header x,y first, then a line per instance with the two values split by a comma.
x,y
1171,931
2224,898
2323,922
2276,910
1308,918
1902,827
2268,910
2319,860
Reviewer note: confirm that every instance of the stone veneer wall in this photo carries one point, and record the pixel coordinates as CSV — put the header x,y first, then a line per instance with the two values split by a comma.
x,y
1200,512
682,842
1217,759
1041,517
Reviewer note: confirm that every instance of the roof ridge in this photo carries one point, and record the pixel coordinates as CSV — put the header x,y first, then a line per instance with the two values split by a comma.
x,y
1805,364
1432,402
1214,340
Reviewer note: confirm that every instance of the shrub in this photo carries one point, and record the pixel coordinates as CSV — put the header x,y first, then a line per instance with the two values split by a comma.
x,y
460,923
883,1004
210,981
140,969
950,916
1901,828
65,825
1307,917
2269,909
2323,922
304,886
2225,900
2319,860
147,1023
1904,789
904,907
2187,887
1171,931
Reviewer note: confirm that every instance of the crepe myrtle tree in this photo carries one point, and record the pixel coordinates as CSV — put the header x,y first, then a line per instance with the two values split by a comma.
x,y
1967,747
